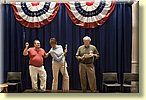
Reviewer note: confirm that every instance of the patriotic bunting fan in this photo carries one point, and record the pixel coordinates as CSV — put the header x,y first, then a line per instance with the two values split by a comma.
x,y
90,14
35,15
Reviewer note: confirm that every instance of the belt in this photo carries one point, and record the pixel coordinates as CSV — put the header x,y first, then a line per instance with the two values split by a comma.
x,y
35,66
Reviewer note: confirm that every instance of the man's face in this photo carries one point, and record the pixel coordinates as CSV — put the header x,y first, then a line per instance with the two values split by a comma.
x,y
37,44
86,42
53,45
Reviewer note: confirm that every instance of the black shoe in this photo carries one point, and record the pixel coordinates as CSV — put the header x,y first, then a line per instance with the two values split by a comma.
x,y
84,91
34,91
93,91
42,91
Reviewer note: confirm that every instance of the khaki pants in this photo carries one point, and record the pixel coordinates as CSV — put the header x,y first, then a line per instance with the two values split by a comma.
x,y
34,71
56,67
88,69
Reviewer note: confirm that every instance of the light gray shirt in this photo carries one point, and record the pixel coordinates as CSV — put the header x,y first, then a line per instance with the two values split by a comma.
x,y
57,54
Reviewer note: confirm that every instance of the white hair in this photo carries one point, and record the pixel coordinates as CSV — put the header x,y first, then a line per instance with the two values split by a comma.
x,y
86,38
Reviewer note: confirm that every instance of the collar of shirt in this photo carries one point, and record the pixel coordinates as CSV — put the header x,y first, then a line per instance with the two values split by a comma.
x,y
87,46
55,47
37,49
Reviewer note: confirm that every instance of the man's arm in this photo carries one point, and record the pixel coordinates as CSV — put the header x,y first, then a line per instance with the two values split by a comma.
x,y
78,57
96,53
53,54
46,55
25,51
56,57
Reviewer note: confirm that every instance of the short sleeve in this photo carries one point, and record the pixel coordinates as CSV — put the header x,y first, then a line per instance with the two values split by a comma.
x,y
44,53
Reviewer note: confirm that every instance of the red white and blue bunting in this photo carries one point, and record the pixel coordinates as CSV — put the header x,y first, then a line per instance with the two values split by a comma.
x,y
82,13
35,15
90,14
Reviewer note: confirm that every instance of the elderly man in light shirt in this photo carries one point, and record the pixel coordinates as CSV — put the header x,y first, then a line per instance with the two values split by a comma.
x,y
58,64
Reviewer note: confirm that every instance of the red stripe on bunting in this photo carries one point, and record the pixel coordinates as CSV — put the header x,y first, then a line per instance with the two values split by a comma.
x,y
35,24
90,24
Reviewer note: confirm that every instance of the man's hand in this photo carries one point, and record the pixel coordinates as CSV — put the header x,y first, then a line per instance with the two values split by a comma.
x,y
65,50
92,54
47,54
26,45
25,52
82,57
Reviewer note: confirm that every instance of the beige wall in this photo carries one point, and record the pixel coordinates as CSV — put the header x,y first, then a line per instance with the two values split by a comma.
x,y
135,41
135,47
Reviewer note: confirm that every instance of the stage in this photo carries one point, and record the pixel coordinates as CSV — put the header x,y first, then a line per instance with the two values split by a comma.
x,y
59,91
